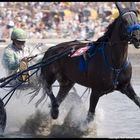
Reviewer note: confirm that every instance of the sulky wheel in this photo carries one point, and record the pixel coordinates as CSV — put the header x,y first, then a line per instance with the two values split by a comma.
x,y
3,117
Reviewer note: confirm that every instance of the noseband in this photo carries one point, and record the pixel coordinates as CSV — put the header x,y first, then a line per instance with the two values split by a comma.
x,y
133,27
128,30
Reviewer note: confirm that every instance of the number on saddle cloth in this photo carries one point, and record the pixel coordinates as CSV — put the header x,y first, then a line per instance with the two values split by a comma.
x,y
85,54
80,51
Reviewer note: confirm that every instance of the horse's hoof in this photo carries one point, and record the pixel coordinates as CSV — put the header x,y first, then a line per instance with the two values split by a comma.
x,y
90,117
85,125
54,113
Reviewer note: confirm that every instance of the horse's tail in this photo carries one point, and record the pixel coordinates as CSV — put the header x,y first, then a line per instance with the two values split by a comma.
x,y
37,91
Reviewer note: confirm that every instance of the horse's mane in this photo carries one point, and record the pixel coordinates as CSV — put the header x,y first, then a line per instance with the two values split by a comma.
x,y
108,33
76,43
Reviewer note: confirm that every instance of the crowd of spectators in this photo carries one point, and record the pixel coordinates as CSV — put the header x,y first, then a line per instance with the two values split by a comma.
x,y
76,20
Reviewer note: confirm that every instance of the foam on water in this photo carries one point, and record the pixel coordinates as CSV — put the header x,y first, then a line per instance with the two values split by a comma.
x,y
24,120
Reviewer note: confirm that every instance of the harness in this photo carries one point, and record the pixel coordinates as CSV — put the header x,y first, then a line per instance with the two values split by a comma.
x,y
133,27
116,71
93,49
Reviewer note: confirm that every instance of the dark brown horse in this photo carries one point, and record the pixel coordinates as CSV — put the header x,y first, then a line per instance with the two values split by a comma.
x,y
105,67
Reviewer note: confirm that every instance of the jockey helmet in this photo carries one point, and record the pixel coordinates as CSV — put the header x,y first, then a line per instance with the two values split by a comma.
x,y
18,34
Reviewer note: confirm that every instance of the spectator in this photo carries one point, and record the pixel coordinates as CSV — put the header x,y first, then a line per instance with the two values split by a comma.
x,y
53,16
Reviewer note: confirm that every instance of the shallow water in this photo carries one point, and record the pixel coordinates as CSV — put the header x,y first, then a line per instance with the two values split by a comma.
x,y
116,115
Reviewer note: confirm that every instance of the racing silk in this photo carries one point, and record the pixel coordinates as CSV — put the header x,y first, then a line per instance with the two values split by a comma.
x,y
12,57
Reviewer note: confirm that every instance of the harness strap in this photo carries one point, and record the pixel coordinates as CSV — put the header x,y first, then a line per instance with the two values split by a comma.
x,y
116,71
92,51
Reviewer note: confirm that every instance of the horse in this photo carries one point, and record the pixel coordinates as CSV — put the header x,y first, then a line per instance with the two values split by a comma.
x,y
104,67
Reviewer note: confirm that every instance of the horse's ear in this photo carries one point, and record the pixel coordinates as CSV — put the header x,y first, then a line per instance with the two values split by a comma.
x,y
132,5
119,6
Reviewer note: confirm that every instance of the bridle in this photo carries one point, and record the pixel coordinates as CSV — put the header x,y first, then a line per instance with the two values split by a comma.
x,y
127,30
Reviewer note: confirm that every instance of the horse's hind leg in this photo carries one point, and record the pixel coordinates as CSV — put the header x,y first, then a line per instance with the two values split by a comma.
x,y
129,91
47,84
54,105
63,91
65,87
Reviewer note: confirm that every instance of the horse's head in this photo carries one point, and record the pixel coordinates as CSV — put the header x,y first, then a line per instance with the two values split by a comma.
x,y
130,26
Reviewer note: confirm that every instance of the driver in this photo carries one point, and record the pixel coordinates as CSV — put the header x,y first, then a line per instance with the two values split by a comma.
x,y
15,54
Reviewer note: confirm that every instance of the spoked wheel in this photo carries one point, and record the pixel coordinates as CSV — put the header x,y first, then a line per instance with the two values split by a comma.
x,y
3,117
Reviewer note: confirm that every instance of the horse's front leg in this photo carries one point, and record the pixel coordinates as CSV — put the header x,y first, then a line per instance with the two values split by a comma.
x,y
94,97
129,91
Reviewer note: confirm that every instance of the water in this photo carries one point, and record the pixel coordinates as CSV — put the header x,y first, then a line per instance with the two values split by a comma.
x,y
119,116
116,115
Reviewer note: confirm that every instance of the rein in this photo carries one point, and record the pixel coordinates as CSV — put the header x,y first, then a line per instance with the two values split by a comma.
x,y
37,66
43,63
